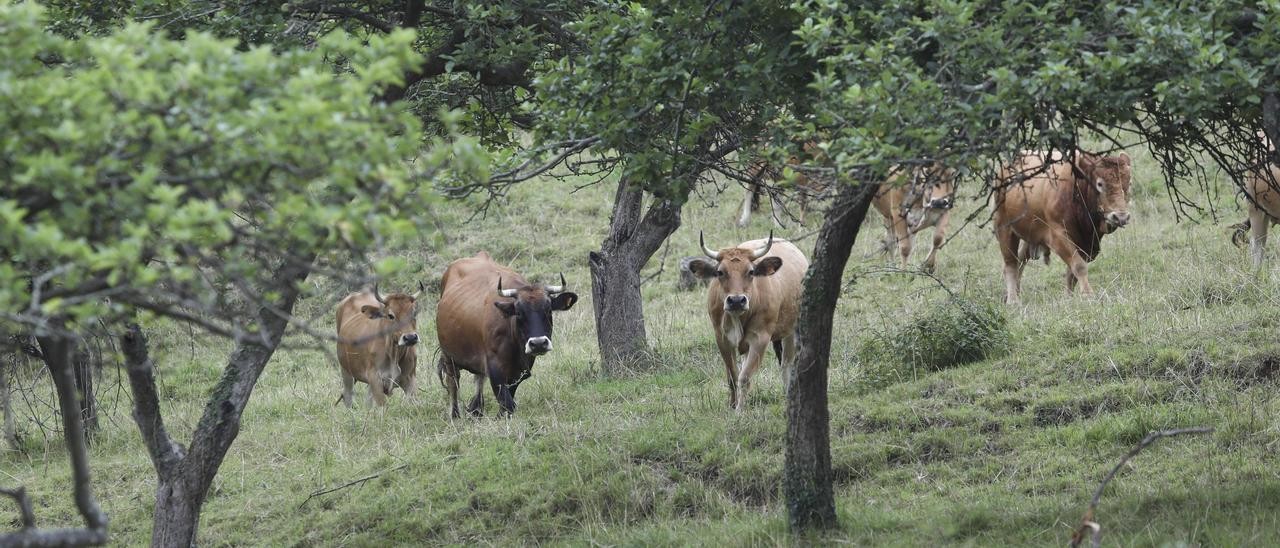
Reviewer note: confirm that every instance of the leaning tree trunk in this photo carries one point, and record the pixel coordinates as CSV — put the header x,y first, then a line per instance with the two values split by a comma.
x,y
615,274
807,470
185,475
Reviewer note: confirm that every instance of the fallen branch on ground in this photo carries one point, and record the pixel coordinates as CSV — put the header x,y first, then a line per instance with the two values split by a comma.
x,y
1088,523
349,484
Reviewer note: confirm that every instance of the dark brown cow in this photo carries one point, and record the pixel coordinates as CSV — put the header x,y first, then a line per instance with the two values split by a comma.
x,y
911,204
1066,206
376,340
494,324
753,300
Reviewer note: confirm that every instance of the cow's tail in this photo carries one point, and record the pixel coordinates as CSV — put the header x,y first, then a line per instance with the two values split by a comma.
x,y
439,367
1240,233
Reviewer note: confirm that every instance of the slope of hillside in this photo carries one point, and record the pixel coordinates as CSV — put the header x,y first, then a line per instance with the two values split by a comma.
x,y
1003,451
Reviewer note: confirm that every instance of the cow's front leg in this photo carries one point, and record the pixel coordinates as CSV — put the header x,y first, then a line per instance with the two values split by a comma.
x,y
498,382
755,353
1077,268
1012,263
377,392
729,355
939,237
476,407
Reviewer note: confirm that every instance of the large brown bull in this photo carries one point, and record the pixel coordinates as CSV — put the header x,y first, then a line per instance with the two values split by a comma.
x,y
493,323
1066,206
753,300
911,204
376,340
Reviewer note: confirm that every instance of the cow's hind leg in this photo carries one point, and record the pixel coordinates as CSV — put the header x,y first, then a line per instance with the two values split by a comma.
x,y
1012,263
449,377
348,384
476,407
788,359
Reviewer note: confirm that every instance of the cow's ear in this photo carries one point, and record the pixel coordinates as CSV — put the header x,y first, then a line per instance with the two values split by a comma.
x,y
767,266
1124,159
703,268
564,301
373,312
507,309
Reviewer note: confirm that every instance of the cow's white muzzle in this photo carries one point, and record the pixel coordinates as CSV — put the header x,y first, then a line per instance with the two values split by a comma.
x,y
537,345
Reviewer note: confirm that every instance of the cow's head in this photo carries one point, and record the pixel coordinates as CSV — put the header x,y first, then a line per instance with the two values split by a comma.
x,y
532,310
1109,177
736,270
399,313
939,188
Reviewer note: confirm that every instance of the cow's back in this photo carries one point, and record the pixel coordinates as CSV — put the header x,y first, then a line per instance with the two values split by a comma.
x,y
466,319
1031,207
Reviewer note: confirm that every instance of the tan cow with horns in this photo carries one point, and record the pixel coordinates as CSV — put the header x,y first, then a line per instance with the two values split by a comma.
x,y
376,340
753,300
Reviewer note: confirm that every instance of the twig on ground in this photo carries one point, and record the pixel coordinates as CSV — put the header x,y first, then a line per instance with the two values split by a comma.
x,y
349,484
1088,523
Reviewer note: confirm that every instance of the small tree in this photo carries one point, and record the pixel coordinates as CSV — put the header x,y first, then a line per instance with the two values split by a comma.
x,y
201,182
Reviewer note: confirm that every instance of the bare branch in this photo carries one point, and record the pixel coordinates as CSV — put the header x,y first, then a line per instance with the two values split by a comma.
x,y
1088,523
349,484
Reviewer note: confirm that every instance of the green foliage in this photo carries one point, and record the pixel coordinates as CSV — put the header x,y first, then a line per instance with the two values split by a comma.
x,y
673,85
141,161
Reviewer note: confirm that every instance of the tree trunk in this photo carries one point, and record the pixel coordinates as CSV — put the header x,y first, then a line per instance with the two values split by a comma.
x,y
615,275
177,513
807,470
185,474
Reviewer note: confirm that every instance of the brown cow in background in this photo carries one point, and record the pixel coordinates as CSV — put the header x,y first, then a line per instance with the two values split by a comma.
x,y
1066,205
1264,204
376,340
493,323
909,205
753,300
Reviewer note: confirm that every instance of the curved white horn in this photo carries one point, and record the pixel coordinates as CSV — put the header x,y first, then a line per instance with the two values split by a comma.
x,y
760,252
377,295
421,290
553,289
505,292
713,254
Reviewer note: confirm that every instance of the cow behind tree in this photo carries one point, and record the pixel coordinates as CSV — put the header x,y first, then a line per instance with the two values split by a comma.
x,y
753,300
377,337
493,324
1063,205
913,203
1263,197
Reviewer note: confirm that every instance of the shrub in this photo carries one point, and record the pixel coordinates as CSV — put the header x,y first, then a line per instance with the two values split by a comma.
x,y
957,332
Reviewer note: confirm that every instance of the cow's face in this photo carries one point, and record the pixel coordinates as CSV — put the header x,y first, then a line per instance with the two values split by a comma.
x,y
1109,176
532,310
940,191
399,317
735,269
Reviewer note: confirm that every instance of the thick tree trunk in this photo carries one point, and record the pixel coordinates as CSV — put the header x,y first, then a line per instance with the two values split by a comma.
x,y
615,275
186,474
807,470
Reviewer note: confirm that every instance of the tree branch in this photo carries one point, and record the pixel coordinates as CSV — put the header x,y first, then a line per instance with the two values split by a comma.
x,y
1088,523
166,454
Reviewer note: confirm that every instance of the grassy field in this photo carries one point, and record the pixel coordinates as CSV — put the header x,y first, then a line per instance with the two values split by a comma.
x,y
1002,451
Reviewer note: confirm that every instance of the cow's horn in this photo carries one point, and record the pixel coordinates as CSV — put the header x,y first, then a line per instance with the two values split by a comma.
x,y
505,292
377,295
760,252
421,290
713,254
553,289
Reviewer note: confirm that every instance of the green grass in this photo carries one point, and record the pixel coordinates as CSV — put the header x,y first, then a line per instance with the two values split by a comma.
x,y
1005,450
